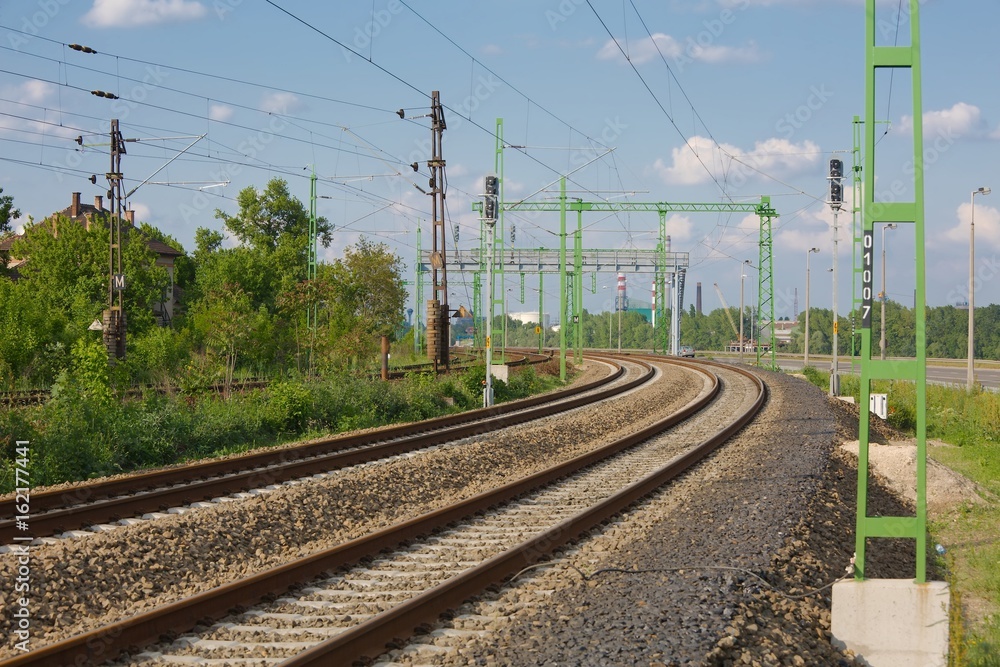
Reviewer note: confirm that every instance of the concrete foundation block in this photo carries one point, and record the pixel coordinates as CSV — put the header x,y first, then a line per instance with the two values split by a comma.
x,y
892,622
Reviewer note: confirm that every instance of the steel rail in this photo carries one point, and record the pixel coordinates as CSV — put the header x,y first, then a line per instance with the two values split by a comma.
x,y
371,637
110,500
39,396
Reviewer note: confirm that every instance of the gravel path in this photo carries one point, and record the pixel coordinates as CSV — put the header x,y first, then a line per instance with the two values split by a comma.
x,y
78,585
776,502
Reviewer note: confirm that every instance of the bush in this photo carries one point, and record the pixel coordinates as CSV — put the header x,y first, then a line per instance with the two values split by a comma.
x,y
817,377
84,431
289,406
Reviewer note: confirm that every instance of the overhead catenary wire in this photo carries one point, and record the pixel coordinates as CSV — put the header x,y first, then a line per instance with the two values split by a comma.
x,y
656,99
401,80
312,143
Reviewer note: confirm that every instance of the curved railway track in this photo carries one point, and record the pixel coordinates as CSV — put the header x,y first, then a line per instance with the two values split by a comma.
x,y
107,501
462,361
416,570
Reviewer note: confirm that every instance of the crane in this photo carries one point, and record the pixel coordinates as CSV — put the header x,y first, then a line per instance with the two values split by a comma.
x,y
729,315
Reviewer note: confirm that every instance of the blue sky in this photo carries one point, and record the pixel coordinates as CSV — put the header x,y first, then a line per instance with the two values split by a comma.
x,y
752,97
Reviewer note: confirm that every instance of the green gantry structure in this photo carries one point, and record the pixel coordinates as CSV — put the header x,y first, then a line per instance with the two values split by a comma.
x,y
875,212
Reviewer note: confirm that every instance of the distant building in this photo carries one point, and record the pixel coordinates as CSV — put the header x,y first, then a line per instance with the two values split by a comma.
x,y
86,215
783,331
530,317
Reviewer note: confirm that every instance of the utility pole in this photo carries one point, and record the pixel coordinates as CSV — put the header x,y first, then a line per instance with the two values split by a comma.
x,y
885,294
836,202
438,335
805,357
312,309
562,279
490,218
419,280
114,316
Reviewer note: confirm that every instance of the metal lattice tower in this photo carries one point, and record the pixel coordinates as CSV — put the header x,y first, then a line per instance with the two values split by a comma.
x,y
914,370
114,316
765,283
312,309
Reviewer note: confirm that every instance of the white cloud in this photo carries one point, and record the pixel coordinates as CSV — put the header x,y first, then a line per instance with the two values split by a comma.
x,y
37,93
220,112
748,4
645,49
960,121
679,228
987,226
34,91
131,13
492,50
142,213
280,103
703,160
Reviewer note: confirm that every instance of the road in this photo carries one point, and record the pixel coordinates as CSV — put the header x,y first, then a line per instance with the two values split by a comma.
x,y
945,373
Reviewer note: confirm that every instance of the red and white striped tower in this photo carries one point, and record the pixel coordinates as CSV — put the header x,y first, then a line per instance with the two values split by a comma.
x,y
653,290
622,296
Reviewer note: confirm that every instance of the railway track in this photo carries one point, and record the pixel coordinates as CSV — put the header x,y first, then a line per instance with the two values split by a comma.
x,y
462,361
473,544
104,504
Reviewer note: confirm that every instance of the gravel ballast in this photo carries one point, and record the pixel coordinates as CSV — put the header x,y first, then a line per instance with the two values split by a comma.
x,y
81,584
776,502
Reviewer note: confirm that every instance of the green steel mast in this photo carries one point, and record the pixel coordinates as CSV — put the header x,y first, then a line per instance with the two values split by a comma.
x,y
914,370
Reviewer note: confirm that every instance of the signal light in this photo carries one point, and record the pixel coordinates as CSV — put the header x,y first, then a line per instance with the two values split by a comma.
x,y
490,208
836,193
836,168
492,185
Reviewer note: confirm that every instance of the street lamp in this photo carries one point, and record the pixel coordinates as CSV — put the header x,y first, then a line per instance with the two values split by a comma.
x,y
969,379
620,300
885,293
610,321
805,356
743,275
506,316
619,328
836,202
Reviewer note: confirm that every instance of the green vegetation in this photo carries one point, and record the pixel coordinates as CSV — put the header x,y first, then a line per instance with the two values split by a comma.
x,y
970,423
85,431
240,311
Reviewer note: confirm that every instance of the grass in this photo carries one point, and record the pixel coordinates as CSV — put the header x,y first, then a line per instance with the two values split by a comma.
x,y
84,431
970,533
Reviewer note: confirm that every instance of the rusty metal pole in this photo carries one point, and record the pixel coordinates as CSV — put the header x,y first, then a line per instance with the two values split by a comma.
x,y
438,254
385,357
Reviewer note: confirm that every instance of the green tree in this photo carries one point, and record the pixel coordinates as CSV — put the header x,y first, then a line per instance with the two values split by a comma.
x,y
7,212
365,297
25,330
271,218
230,327
275,225
183,265
67,268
